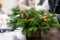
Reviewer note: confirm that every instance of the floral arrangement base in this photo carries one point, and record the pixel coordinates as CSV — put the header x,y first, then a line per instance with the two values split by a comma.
x,y
36,36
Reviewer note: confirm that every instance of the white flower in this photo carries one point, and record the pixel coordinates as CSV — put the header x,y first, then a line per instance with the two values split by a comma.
x,y
17,15
46,13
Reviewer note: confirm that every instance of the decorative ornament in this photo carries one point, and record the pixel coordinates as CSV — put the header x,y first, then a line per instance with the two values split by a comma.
x,y
45,20
24,15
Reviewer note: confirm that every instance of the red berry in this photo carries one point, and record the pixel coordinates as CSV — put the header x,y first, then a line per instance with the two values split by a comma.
x,y
45,20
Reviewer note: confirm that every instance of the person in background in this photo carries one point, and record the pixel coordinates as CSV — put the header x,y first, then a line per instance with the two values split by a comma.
x,y
38,4
42,5
55,9
58,11
23,5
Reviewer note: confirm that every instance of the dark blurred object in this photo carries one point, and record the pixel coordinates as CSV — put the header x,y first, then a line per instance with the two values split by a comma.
x,y
27,3
58,11
58,8
55,7
0,6
41,2
5,30
53,4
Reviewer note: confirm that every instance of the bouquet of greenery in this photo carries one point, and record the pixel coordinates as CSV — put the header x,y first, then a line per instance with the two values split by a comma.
x,y
33,20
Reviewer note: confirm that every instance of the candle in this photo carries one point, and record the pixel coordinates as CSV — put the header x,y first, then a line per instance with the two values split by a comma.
x,y
0,4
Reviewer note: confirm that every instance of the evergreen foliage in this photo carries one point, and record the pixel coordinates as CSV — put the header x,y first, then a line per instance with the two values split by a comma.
x,y
33,20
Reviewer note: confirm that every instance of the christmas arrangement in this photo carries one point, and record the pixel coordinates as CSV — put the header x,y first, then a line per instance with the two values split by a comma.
x,y
32,20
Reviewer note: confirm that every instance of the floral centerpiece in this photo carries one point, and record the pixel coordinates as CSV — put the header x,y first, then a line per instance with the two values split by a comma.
x,y
33,20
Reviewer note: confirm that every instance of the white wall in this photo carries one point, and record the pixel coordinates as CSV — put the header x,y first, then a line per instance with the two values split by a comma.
x,y
9,4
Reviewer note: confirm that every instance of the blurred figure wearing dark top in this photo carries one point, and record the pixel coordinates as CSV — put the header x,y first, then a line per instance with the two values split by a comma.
x,y
58,10
55,8
58,7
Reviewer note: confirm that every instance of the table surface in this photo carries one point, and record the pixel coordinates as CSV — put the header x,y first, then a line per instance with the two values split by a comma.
x,y
55,36
19,36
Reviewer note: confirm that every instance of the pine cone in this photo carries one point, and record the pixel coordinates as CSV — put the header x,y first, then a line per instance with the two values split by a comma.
x,y
24,15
